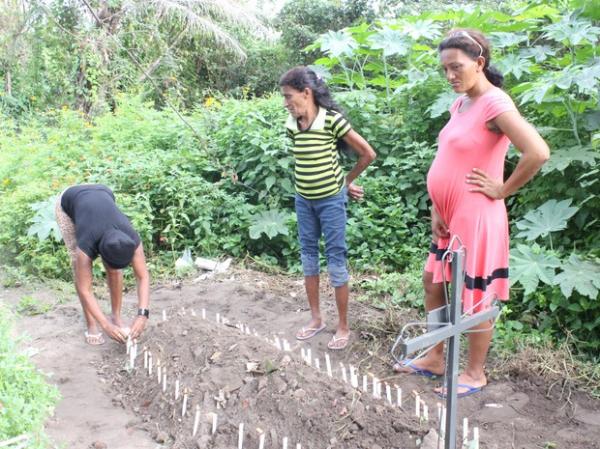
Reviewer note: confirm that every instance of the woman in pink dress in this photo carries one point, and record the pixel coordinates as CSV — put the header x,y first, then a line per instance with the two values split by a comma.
x,y
466,187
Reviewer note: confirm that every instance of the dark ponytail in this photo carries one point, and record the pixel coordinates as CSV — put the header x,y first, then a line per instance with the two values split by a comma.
x,y
474,44
494,76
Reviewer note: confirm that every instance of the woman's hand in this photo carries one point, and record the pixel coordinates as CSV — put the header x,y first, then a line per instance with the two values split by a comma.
x,y
355,192
439,228
138,326
114,332
490,187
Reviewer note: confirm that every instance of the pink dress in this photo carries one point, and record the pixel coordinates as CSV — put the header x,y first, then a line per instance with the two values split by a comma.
x,y
480,222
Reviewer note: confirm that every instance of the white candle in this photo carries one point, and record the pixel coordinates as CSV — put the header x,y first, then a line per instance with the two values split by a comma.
x,y
241,436
128,344
278,343
184,405
164,313
203,314
425,412
344,375
218,316
177,389
353,377
149,364
475,444
399,395
465,432
261,441
214,423
417,406
165,381
365,385
298,446
317,365
388,393
286,346
303,354
193,312
439,411
309,356
196,420
375,387
328,364
443,422
285,442
145,359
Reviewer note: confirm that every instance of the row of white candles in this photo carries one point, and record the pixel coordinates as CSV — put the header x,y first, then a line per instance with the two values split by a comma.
x,y
421,408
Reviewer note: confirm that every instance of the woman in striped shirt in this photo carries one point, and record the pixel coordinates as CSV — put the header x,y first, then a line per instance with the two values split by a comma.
x,y
315,125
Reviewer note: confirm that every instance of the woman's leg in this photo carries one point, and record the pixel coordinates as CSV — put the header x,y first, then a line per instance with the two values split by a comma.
x,y
67,231
434,360
309,232
114,279
332,217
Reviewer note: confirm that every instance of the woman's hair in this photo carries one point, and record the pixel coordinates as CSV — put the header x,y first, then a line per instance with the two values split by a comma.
x,y
474,44
302,77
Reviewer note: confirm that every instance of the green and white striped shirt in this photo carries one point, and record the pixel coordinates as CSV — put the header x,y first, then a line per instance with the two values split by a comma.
x,y
317,170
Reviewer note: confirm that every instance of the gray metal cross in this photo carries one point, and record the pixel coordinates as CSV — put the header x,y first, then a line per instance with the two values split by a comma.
x,y
441,326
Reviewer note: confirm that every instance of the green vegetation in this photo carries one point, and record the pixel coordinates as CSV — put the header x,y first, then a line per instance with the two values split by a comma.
x,y
25,398
77,107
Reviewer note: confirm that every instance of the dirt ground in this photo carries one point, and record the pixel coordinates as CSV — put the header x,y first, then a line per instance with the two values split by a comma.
x,y
242,377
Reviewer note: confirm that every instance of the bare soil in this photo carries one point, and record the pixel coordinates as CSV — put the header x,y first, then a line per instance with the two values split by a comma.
x,y
245,379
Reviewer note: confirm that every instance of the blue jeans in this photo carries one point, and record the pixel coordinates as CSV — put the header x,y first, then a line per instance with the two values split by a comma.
x,y
325,216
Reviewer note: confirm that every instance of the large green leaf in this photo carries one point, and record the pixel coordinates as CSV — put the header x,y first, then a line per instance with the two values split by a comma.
x,y
392,42
531,265
338,43
422,29
442,103
581,275
572,30
502,40
271,223
44,221
564,157
514,64
549,217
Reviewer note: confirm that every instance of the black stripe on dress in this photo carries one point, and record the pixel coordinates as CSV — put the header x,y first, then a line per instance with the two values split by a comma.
x,y
472,283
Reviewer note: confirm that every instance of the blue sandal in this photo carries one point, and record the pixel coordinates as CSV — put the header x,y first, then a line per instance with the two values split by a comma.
x,y
408,363
470,390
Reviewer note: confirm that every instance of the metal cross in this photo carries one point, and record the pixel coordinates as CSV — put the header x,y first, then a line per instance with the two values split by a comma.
x,y
441,326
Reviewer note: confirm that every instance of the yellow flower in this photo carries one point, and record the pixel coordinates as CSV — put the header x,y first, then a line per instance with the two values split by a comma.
x,y
6,181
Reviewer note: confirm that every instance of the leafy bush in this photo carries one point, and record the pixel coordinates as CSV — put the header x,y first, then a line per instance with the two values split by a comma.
x,y
25,398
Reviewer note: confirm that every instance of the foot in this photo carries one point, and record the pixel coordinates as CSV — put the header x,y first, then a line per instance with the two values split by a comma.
x,y
310,330
467,385
94,339
340,340
431,365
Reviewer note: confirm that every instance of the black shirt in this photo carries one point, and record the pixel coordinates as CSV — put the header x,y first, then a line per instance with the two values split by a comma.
x,y
93,210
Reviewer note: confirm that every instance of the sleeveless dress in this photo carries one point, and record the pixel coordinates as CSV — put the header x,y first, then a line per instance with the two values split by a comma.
x,y
480,222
